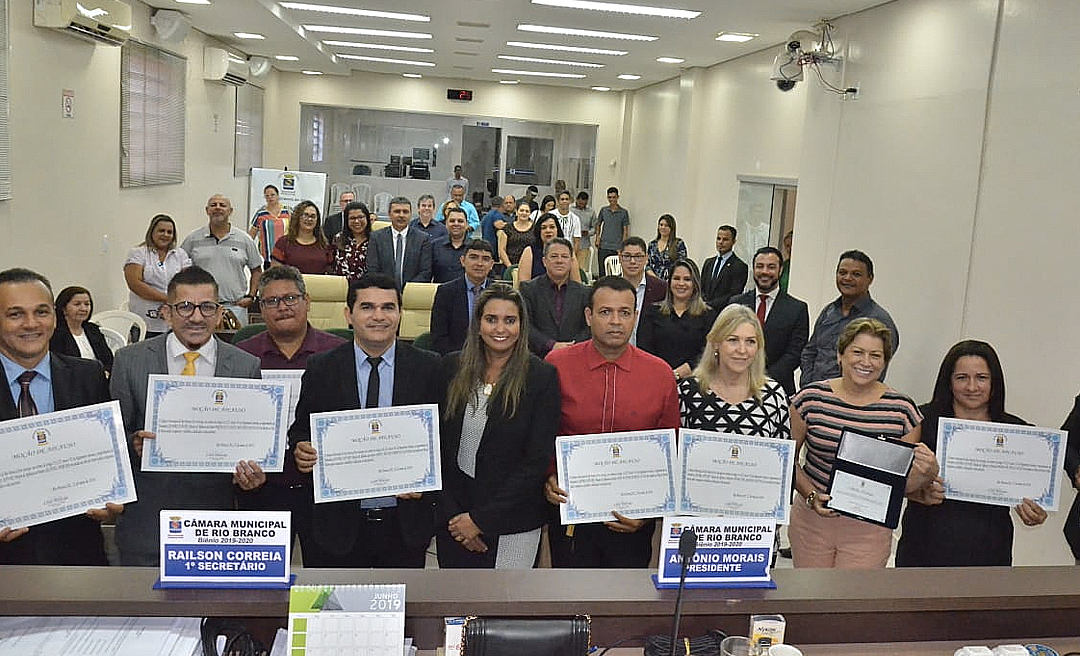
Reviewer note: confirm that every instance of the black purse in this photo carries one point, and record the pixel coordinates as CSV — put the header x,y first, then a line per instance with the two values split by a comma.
x,y
539,636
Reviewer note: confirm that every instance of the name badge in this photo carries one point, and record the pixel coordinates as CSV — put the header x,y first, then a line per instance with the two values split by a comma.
x,y
729,554
208,549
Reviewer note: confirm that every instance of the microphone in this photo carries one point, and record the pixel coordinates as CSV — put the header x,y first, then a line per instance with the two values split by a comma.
x,y
687,547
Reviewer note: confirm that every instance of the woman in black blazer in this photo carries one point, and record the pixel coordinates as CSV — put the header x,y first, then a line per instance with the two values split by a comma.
x,y
75,334
499,417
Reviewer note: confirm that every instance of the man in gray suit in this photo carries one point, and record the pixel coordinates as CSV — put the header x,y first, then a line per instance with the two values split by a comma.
x,y
190,349
398,250
556,304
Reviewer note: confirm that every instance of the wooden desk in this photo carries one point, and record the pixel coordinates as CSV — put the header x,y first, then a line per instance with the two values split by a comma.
x,y
974,605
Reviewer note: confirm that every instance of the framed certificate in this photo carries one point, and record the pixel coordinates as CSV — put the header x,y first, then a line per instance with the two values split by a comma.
x,y
869,478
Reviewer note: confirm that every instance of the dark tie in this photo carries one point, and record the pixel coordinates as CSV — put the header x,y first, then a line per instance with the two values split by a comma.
x,y
27,407
399,257
761,308
372,400
719,265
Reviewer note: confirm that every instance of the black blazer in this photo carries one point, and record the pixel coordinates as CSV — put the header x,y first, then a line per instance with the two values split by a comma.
x,y
329,384
417,265
787,328
332,225
64,342
1072,463
513,458
718,289
539,297
74,540
450,316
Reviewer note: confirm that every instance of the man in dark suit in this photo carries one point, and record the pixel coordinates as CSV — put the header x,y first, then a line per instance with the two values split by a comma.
x,y
648,289
454,301
556,304
399,251
335,222
189,349
785,319
384,531
723,275
36,382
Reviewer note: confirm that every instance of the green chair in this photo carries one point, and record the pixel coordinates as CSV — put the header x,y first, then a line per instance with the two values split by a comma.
x,y
247,331
508,275
424,341
344,333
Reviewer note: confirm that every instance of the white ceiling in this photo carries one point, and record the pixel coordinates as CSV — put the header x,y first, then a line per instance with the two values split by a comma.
x,y
469,35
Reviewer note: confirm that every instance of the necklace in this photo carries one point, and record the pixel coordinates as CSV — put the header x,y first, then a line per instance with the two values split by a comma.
x,y
486,389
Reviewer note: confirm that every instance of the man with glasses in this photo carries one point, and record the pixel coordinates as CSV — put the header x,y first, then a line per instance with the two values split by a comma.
x,y
648,288
189,349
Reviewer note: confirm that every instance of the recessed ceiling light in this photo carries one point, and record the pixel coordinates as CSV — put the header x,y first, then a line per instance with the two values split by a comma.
x,y
506,71
737,37
629,76
641,10
349,11
547,29
508,81
311,72
248,35
601,88
670,60
286,58
551,46
376,46
540,60
386,60
414,76
366,32
193,2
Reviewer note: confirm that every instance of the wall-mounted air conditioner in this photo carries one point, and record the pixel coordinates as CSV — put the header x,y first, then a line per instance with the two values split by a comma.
x,y
104,21
221,65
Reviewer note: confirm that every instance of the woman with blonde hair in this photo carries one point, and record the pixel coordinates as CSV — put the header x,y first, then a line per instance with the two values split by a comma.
x,y
148,269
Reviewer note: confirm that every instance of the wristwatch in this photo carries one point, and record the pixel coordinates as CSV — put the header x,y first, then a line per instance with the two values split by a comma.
x,y
810,498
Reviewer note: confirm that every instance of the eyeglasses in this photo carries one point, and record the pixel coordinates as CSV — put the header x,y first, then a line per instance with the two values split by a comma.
x,y
187,308
274,301
632,258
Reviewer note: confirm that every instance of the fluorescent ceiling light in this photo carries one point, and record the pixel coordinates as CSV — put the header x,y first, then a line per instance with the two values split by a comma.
x,y
385,60
540,60
248,35
547,29
737,37
551,46
193,2
286,58
349,11
670,60
376,46
601,88
640,10
506,71
366,32
629,76
311,72
508,81
414,76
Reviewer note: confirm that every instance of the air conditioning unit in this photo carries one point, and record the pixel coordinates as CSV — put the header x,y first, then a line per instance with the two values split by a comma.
x,y
103,21
221,65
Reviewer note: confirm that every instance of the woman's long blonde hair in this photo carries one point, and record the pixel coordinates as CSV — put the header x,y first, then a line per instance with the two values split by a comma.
x,y
729,320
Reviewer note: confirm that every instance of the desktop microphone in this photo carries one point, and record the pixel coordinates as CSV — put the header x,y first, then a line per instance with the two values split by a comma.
x,y
655,645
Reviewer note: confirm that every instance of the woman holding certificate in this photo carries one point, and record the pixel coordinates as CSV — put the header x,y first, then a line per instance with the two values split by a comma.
x,y
970,385
821,412
500,415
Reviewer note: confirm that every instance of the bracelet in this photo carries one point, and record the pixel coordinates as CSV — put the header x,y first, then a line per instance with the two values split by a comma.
x,y
810,498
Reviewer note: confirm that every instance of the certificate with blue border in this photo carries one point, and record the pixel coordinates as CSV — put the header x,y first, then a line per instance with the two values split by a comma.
x,y
62,464
631,472
376,453
1000,464
210,424
730,475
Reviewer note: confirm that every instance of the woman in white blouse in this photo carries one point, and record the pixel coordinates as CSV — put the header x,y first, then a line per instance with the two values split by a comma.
x,y
148,269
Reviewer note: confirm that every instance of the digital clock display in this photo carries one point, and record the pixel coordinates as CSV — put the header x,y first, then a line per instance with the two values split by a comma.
x,y
459,94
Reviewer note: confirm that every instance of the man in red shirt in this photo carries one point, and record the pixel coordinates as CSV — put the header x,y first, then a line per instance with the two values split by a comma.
x,y
608,386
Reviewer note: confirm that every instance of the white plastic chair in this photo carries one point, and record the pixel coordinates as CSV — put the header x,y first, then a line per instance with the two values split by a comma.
x,y
114,340
362,192
122,322
336,189
612,266
382,204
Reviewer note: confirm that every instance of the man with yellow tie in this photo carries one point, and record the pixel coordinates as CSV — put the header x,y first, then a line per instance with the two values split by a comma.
x,y
188,349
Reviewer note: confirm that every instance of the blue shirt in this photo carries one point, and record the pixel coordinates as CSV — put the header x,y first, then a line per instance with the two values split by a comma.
x,y
470,214
487,227
386,399
434,230
470,297
446,260
40,388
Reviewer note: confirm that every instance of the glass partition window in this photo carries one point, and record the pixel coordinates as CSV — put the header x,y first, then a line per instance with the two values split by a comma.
x,y
248,136
528,160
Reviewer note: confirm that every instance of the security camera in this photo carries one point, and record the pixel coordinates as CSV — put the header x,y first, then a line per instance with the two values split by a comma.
x,y
786,69
785,85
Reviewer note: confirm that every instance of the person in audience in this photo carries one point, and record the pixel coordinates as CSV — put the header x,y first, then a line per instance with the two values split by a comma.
x,y
555,302
516,236
383,371
1072,468
970,385
269,223
287,343
531,263
724,274
398,251
502,208
649,288
148,269
304,246
571,224
335,223
666,248
350,246
530,198
785,274
611,229
36,381
75,334
547,205
446,252
854,275
674,329
425,218
608,385
456,181
457,196
786,319
189,349
587,218
499,418
859,402
455,300
229,255
729,391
